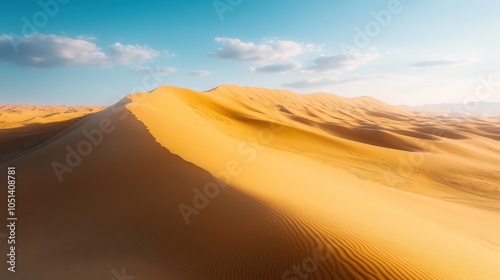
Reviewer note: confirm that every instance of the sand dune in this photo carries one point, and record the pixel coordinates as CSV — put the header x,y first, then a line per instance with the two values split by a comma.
x,y
250,183
13,116
25,126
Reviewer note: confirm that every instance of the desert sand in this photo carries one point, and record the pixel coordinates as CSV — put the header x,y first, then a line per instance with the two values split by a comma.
x,y
251,183
26,126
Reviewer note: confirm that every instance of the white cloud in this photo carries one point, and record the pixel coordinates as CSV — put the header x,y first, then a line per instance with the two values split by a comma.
x,y
321,82
277,68
327,64
268,50
199,73
158,69
130,54
442,62
43,51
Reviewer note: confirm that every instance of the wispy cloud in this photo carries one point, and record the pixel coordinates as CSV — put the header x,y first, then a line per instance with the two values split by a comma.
x,y
86,37
326,64
44,51
321,82
442,62
119,54
268,50
277,68
441,82
198,73
158,69
169,54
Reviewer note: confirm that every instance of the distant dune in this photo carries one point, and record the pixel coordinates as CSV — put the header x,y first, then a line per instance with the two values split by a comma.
x,y
491,109
25,126
252,183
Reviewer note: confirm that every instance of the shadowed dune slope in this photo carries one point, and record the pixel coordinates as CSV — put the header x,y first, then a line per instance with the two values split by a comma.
x,y
296,187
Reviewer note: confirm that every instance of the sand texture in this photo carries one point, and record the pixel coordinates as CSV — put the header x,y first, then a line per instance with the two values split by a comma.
x,y
272,184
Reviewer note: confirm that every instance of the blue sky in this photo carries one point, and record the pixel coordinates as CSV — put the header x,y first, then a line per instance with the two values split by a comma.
x,y
400,51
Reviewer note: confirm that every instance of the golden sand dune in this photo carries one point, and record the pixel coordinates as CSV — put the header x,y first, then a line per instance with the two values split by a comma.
x,y
25,126
249,183
13,116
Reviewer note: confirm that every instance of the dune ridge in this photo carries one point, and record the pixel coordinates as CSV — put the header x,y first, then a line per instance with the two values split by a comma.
x,y
340,188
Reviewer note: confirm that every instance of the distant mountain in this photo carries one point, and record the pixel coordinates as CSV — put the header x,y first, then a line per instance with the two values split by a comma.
x,y
491,109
